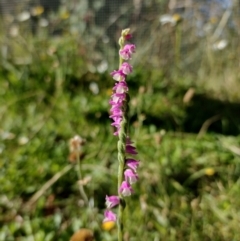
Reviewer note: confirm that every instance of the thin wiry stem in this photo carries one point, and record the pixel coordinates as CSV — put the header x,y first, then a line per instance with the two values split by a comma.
x,y
121,161
121,154
81,188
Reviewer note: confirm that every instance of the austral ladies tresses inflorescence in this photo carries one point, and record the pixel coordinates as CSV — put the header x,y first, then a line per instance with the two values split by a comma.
x,y
127,170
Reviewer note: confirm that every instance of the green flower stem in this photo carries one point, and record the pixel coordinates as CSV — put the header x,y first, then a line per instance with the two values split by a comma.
x,y
121,162
79,173
178,36
121,43
122,146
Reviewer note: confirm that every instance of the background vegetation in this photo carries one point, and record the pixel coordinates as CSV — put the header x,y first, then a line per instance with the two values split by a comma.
x,y
55,83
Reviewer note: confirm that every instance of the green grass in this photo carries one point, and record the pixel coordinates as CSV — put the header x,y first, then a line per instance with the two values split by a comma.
x,y
189,183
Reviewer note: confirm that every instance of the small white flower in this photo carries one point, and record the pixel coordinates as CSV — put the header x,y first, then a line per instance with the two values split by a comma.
x,y
168,18
23,140
43,22
220,45
94,88
102,67
24,16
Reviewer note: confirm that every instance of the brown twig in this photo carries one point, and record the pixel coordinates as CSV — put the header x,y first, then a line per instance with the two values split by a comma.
x,y
206,125
47,185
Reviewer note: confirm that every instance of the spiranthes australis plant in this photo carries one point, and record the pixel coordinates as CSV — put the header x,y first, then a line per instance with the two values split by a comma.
x,y
127,170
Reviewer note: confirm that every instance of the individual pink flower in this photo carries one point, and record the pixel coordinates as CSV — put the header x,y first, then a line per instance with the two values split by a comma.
x,y
109,216
128,36
117,99
118,75
117,122
127,51
130,176
132,163
121,87
125,189
116,113
130,149
112,201
126,68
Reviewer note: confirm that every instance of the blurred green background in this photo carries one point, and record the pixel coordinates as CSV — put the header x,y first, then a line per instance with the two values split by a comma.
x,y
185,104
